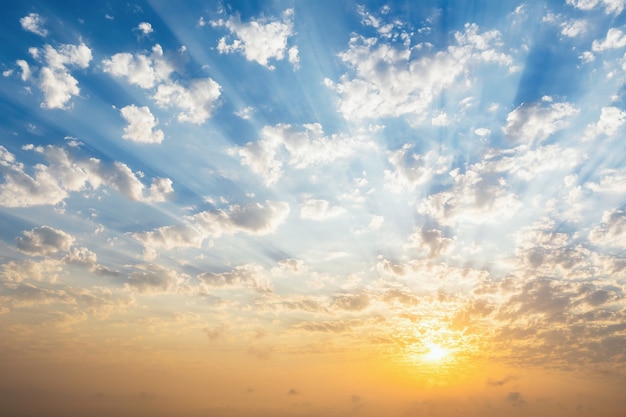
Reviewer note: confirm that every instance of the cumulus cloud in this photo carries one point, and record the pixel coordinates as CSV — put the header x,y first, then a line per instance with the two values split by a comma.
x,y
145,28
196,102
611,119
298,148
472,199
256,219
244,276
51,183
319,210
259,40
154,279
196,99
143,70
161,189
433,241
54,79
141,125
527,163
394,81
612,231
412,169
44,241
34,23
535,122
610,6
615,38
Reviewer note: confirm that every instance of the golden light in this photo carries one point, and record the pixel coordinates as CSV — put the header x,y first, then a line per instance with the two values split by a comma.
x,y
435,353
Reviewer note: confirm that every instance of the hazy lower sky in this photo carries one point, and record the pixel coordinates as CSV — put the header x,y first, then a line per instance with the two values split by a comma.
x,y
303,208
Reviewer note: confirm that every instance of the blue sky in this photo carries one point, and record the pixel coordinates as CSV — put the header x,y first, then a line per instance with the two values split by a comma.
x,y
291,179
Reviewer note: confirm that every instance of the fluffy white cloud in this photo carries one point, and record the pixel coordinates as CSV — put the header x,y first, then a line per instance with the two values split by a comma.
x,y
615,38
433,241
55,81
197,101
34,23
44,241
26,72
535,122
574,28
612,231
313,209
259,40
141,125
611,119
244,276
472,199
51,183
142,70
161,189
145,28
391,81
527,163
155,279
256,219
303,149
611,181
610,6
411,169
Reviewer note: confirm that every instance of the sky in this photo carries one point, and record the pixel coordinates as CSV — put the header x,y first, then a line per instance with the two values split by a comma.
x,y
297,208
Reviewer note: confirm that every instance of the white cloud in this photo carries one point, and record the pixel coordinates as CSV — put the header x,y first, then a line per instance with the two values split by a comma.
x,y
294,57
535,122
610,6
161,189
26,73
482,132
255,219
615,38
440,120
197,102
472,199
433,241
34,23
142,70
44,241
612,231
145,28
303,149
388,81
612,181
259,40
574,28
155,279
611,119
141,125
51,183
244,276
319,210
55,81
411,169
245,113
527,163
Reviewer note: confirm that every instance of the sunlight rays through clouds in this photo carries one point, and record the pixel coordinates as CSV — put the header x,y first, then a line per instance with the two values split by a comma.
x,y
282,208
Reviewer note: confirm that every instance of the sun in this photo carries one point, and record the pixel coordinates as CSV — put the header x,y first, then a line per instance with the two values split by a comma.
x,y
435,353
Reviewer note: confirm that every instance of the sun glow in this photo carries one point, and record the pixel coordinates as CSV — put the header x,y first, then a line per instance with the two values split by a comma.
x,y
436,353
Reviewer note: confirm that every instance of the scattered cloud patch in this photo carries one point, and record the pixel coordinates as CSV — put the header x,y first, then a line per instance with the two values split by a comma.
x,y
34,23
262,40
141,125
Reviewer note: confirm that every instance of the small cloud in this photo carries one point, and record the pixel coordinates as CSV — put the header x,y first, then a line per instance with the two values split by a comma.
x,y
141,125
34,23
145,28
293,391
